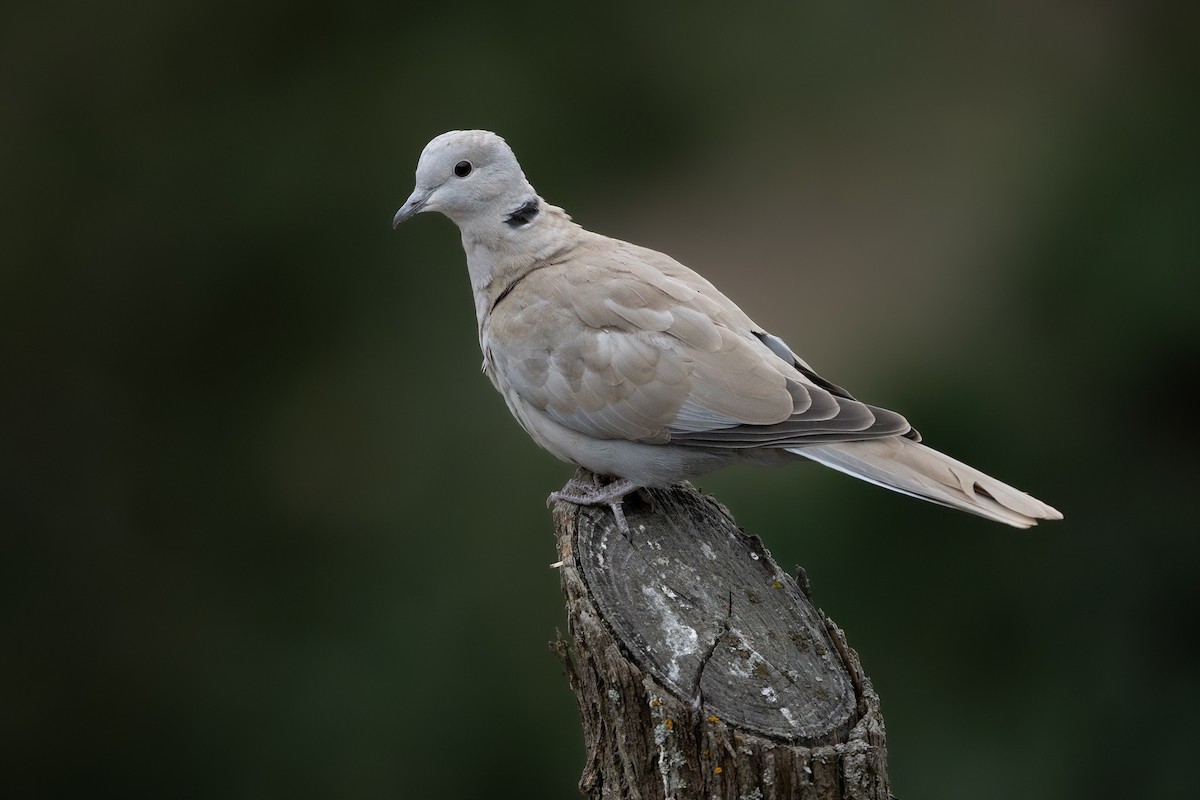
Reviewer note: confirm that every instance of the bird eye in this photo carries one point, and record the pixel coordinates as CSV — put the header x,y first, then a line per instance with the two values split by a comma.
x,y
462,169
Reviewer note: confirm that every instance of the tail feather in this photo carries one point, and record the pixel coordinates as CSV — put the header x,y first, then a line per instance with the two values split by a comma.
x,y
908,467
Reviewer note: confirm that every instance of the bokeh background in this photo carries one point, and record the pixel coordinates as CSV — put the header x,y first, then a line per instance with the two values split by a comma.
x,y
267,532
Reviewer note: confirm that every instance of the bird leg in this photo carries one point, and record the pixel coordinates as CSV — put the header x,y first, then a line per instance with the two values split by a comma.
x,y
592,493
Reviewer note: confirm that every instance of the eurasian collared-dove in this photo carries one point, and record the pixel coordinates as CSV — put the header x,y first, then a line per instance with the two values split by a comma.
x,y
623,361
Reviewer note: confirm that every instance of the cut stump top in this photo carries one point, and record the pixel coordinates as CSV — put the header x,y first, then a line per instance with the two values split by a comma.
x,y
699,605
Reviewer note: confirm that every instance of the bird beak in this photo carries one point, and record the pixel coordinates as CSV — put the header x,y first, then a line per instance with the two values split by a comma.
x,y
414,205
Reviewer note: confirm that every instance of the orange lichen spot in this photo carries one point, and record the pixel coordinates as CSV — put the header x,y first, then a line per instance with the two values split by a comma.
x,y
718,770
714,719
655,703
670,724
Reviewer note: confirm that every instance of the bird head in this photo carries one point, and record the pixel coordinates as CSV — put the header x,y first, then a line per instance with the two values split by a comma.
x,y
467,176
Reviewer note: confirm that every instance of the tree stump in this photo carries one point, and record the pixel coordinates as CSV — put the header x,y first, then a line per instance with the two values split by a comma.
x,y
701,669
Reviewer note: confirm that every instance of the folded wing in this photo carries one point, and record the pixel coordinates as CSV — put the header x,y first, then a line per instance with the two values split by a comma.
x,y
618,342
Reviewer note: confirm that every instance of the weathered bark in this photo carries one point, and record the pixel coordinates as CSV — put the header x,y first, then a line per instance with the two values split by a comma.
x,y
701,669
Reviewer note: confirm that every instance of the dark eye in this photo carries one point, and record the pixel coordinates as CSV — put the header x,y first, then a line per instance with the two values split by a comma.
x,y
462,169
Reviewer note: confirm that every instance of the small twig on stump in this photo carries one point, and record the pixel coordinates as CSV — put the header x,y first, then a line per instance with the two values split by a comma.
x,y
701,669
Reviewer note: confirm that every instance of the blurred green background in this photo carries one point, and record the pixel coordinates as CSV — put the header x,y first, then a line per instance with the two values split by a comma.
x,y
269,533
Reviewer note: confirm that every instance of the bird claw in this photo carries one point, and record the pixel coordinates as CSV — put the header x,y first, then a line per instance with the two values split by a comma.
x,y
591,493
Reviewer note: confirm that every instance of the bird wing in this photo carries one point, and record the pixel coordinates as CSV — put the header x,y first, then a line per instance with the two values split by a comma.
x,y
616,341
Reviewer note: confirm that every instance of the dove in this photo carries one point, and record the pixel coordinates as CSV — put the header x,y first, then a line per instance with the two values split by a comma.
x,y
622,361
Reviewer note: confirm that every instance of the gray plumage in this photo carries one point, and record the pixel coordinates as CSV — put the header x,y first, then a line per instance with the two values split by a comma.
x,y
621,360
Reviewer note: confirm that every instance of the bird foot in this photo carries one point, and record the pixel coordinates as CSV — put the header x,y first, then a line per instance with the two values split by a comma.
x,y
583,492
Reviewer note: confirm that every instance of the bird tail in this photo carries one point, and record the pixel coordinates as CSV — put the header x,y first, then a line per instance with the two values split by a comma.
x,y
908,467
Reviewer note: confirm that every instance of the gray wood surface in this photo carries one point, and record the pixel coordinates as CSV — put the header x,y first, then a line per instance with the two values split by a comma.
x,y
701,669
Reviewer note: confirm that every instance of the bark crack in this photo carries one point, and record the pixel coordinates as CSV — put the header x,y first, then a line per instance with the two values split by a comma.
x,y
697,692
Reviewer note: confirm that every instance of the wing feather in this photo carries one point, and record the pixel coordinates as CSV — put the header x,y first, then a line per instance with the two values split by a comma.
x,y
618,342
